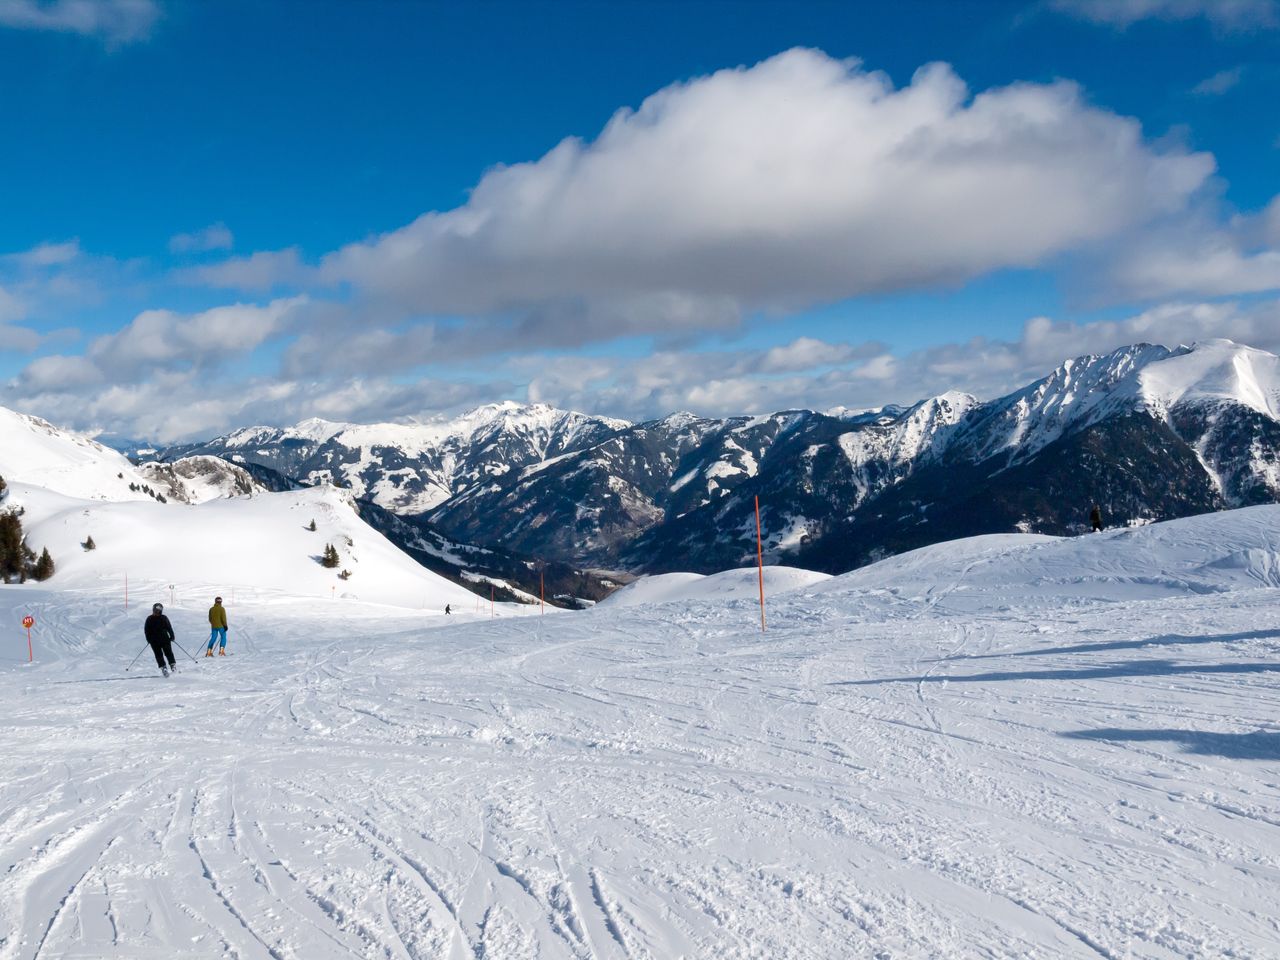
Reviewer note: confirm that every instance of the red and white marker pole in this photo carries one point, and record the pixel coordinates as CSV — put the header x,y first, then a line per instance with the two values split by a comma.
x,y
29,622
760,562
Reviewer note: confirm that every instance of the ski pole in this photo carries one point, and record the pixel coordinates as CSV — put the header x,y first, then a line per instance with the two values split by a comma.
x,y
187,652
135,659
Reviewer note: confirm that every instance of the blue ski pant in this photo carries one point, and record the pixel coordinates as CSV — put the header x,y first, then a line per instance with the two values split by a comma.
x,y
216,634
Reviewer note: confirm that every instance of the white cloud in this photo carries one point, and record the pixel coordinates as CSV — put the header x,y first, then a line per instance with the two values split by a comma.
x,y
115,22
46,255
175,402
263,270
1225,14
1220,83
11,308
798,181
72,374
15,339
1200,256
160,339
213,237
175,405
729,382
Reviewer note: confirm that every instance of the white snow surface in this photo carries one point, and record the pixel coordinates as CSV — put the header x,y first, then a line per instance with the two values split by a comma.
x,y
258,545
683,587
1008,747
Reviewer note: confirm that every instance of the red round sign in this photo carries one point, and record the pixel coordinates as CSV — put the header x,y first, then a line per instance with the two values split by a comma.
x,y
28,622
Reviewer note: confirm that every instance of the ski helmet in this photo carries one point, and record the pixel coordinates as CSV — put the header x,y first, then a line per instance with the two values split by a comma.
x,y
157,608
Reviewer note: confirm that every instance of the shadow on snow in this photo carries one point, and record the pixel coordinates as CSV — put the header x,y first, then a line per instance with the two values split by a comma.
x,y
1172,639
1129,668
1257,745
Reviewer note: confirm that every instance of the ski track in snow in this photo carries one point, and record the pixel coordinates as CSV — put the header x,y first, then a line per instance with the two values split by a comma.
x,y
874,777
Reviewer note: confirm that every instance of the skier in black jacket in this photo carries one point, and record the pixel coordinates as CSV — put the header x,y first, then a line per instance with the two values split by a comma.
x,y
159,633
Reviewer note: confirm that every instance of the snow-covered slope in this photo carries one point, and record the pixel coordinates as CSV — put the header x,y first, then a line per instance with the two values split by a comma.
x,y
729,584
34,451
1214,371
1024,752
1210,553
260,546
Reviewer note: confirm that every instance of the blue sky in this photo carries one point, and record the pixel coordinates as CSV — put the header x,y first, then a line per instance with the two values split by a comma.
x,y
220,213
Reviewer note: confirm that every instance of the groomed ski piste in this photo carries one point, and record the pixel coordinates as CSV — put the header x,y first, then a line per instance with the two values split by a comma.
x,y
1011,746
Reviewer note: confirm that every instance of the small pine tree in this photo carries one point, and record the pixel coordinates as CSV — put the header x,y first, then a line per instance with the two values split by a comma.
x,y
345,575
43,569
3,486
330,557
89,544
133,487
312,526
13,552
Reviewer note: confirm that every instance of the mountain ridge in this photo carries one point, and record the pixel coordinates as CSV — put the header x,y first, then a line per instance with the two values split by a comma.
x,y
1148,431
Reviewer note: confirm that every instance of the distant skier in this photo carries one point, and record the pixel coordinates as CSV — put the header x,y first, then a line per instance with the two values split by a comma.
x,y
447,611
217,628
1095,518
159,633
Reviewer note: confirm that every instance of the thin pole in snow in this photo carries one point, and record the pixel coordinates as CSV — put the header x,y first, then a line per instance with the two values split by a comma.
x,y
760,562
542,589
491,611
135,659
126,591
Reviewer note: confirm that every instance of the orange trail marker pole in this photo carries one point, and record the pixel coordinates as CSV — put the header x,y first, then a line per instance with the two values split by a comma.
x,y
31,655
760,562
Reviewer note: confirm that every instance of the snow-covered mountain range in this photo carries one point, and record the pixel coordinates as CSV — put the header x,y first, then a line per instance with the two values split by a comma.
x,y
412,468
1147,432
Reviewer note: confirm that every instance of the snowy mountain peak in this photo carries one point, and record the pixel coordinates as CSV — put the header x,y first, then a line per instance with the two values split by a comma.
x,y
1214,371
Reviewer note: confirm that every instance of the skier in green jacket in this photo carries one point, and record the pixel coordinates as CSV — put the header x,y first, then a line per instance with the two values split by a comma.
x,y
217,628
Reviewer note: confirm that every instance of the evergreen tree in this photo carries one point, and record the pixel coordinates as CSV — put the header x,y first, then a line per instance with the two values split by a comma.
x,y
15,556
89,544
330,557
3,486
44,566
345,575
311,526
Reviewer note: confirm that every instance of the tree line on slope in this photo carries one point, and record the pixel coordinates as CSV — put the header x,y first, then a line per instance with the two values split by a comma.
x,y
17,560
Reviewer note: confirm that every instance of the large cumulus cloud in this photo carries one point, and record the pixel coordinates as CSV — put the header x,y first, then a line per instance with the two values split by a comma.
x,y
801,180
